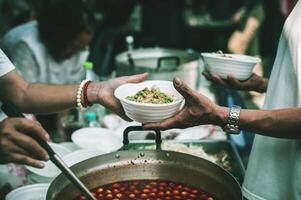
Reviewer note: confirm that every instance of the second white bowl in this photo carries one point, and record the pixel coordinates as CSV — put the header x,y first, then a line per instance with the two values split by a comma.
x,y
240,66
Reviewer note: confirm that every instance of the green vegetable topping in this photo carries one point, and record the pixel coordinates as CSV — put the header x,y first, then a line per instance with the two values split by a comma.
x,y
152,96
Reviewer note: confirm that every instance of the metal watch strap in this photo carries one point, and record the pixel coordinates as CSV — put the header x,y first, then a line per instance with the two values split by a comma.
x,y
232,126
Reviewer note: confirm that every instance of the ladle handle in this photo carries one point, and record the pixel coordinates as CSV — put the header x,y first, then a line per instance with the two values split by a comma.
x,y
11,111
129,129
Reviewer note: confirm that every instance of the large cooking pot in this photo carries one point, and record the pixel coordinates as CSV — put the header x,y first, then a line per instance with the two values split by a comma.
x,y
152,164
160,63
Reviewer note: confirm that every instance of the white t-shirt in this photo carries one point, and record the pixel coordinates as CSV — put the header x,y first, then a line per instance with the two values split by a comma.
x,y
5,64
33,61
274,169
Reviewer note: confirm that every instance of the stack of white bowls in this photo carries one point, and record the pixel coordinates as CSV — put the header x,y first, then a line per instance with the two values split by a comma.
x,y
29,192
145,112
239,66
50,171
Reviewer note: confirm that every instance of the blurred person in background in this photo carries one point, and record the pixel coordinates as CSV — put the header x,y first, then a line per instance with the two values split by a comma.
x,y
53,48
15,12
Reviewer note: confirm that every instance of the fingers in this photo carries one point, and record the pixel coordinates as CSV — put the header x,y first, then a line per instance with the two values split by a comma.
x,y
207,75
137,78
218,80
184,90
174,122
32,127
26,160
116,107
233,82
164,125
30,145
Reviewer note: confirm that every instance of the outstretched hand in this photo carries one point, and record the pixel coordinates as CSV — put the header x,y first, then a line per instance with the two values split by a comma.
x,y
254,83
105,92
197,110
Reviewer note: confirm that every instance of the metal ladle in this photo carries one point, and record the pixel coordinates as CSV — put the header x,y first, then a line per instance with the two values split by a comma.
x,y
11,111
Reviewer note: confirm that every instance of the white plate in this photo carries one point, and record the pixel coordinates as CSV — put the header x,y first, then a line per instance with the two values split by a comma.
x,y
194,133
29,192
81,155
101,139
46,174
70,145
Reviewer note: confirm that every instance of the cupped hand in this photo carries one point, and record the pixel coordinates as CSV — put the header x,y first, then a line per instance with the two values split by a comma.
x,y
17,147
254,83
105,92
197,110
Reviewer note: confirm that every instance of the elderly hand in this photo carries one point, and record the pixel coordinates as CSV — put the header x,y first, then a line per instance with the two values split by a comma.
x,y
17,147
103,92
197,110
254,83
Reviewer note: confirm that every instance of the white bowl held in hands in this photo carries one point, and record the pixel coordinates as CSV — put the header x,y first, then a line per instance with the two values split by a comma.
x,y
144,112
239,66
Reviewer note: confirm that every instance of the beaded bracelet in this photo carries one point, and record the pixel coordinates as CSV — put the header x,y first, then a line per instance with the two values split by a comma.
x,y
79,95
86,100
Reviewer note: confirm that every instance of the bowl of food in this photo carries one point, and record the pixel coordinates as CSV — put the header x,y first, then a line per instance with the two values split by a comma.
x,y
239,66
149,101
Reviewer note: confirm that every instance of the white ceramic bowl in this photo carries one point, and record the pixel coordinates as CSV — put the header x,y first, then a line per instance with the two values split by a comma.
x,y
101,139
29,192
240,66
144,112
50,171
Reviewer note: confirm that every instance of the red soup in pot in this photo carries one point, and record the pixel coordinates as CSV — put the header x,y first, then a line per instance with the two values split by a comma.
x,y
148,190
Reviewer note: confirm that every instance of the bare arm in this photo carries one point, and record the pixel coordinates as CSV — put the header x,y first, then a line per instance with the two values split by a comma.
x,y
44,98
36,98
283,123
198,109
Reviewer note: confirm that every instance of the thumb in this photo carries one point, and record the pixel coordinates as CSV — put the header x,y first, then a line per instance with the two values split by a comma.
x,y
184,89
137,78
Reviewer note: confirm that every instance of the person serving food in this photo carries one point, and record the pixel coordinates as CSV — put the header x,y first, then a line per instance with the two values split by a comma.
x,y
15,145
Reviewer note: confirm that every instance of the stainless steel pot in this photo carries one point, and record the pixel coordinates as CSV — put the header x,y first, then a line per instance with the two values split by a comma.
x,y
158,164
161,64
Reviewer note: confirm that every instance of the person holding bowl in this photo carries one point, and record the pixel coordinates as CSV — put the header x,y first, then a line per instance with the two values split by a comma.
x,y
274,168
15,145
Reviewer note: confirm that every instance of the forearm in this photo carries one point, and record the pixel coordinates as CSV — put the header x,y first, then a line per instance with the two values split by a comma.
x,y
282,123
41,98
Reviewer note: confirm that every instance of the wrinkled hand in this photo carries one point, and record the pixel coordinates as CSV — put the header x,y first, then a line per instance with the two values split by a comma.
x,y
254,83
17,147
105,92
197,110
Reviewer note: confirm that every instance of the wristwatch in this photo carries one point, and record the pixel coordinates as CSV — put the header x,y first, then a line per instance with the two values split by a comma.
x,y
232,121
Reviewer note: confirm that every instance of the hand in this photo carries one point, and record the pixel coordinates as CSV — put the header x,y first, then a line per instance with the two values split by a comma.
x,y
254,83
197,110
17,147
105,92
